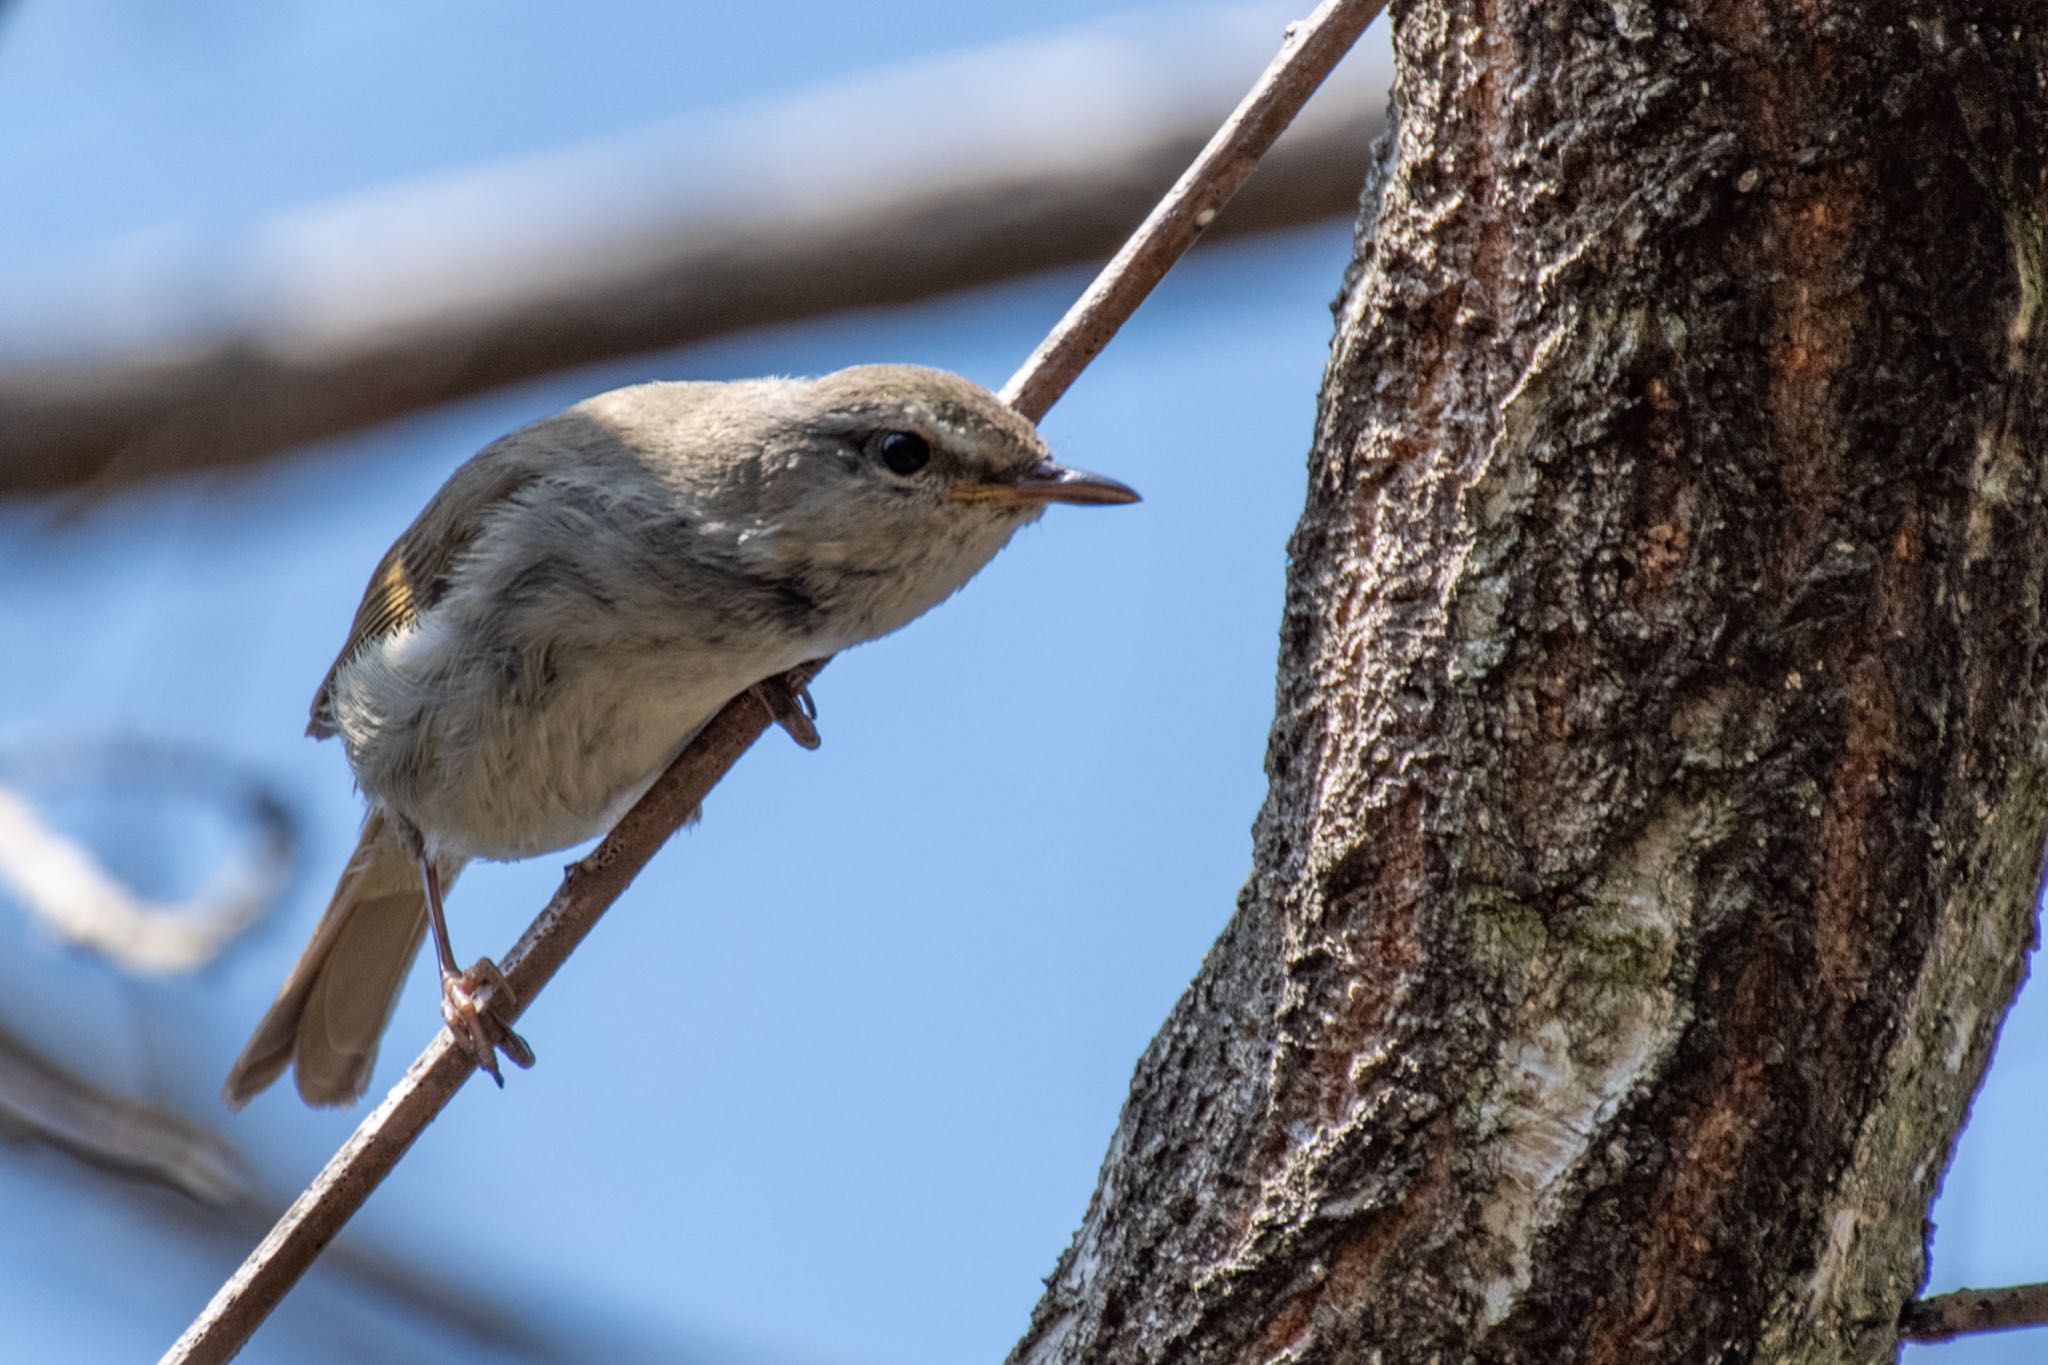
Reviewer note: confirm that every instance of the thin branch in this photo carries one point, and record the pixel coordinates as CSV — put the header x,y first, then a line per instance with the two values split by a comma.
x,y
588,889
44,1103
62,882
500,1323
158,1152
1311,49
1947,1316
849,197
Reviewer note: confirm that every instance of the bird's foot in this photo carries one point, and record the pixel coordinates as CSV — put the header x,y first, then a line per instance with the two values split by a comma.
x,y
478,1005
788,699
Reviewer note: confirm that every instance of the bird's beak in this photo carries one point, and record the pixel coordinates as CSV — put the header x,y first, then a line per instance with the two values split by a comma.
x,y
1049,482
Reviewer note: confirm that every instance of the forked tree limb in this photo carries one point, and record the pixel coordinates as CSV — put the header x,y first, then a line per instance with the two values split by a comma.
x,y
1311,49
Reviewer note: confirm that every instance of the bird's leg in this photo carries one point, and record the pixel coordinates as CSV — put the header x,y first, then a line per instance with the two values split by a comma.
x,y
788,699
478,1004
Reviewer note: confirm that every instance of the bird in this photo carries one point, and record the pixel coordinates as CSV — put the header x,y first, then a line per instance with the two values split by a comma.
x,y
573,605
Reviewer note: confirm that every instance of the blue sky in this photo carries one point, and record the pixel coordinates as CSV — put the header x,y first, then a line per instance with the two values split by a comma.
x,y
832,1083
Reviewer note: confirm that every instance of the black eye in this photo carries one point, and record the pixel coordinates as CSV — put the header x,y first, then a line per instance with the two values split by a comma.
x,y
903,452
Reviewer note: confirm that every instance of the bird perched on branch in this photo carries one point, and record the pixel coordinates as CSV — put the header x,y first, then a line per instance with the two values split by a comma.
x,y
577,600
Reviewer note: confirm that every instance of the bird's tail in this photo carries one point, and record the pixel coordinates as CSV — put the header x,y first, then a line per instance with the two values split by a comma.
x,y
328,1019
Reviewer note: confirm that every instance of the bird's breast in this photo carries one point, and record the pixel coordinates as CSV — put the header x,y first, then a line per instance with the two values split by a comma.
x,y
507,748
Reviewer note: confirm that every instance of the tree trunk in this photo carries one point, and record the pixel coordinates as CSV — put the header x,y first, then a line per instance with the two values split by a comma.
x,y
1659,777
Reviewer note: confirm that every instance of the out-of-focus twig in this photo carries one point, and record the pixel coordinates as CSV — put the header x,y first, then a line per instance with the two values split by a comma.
x,y
41,1102
45,1104
64,885
1311,49
908,183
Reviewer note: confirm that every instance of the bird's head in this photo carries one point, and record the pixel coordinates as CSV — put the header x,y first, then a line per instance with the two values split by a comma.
x,y
907,436
892,485
843,505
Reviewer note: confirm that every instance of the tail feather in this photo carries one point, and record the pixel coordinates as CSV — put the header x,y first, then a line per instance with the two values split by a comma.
x,y
331,1013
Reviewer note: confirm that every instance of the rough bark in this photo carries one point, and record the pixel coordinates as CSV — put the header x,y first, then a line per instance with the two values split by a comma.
x,y
1658,776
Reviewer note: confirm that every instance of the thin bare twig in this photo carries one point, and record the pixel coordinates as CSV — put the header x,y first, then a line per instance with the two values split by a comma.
x,y
1947,1316
1312,48
213,1200
62,882
500,1323
588,889
42,1102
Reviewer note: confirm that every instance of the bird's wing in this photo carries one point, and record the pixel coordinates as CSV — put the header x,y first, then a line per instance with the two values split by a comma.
x,y
414,572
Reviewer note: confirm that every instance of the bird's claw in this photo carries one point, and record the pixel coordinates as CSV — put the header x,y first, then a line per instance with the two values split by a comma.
x,y
788,699
478,1005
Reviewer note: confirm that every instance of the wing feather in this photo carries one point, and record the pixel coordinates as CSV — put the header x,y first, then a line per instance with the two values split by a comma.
x,y
414,573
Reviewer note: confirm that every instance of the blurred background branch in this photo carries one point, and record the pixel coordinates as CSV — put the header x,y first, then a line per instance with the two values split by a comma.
x,y
73,813
43,1103
64,883
899,185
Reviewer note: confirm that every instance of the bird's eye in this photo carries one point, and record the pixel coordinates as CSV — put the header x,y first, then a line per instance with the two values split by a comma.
x,y
903,452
